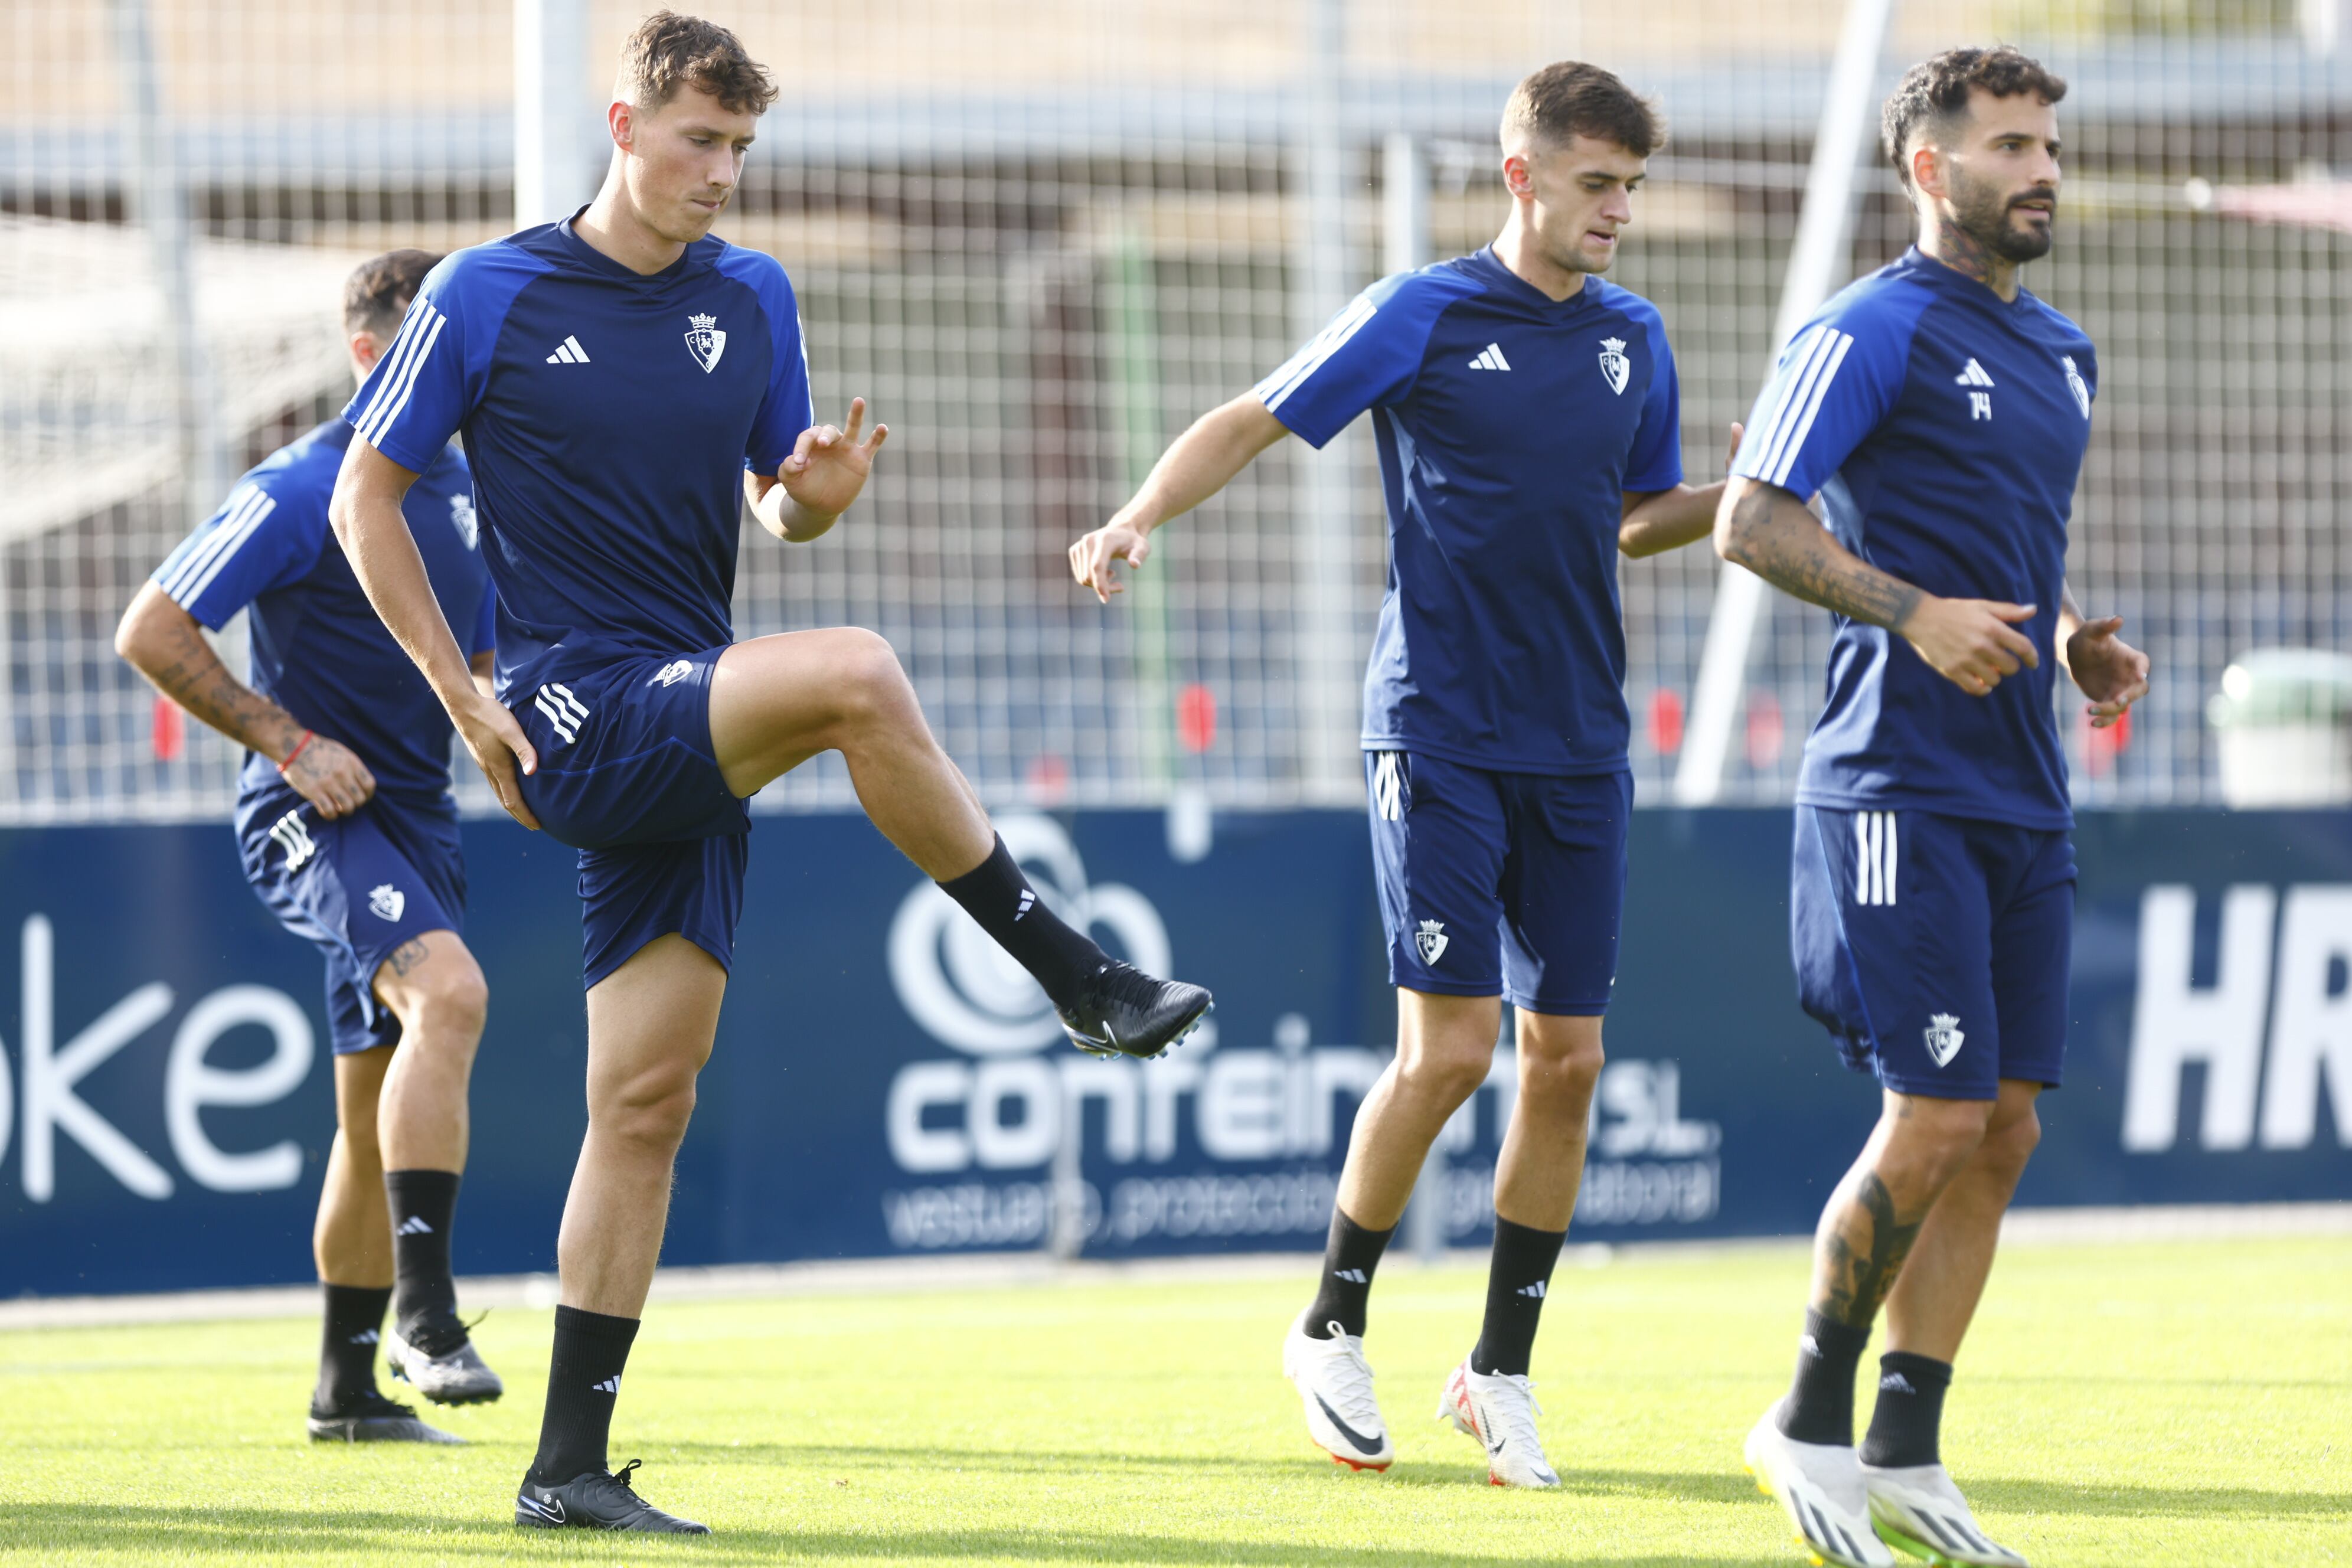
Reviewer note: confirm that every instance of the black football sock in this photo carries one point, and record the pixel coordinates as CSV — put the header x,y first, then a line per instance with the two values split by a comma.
x,y
1820,1405
1350,1256
999,897
584,1384
347,1348
1907,1427
423,1203
1517,1282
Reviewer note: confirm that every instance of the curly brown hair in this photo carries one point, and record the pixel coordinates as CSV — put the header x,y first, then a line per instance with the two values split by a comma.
x,y
1935,92
1573,99
668,51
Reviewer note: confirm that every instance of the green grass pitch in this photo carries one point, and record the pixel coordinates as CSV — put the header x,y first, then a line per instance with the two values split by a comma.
x,y
2183,1403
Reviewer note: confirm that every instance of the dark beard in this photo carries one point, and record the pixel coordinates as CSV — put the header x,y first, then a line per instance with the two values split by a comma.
x,y
1984,218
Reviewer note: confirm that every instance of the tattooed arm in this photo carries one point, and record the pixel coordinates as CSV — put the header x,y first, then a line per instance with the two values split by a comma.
x,y
162,642
1972,643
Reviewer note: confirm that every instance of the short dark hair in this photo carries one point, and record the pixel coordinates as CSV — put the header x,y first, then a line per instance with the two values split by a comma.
x,y
375,296
668,51
1573,99
1935,92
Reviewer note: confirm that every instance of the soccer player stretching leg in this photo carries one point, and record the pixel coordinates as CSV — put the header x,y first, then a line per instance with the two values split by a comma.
x,y
1528,421
1941,412
349,836
625,382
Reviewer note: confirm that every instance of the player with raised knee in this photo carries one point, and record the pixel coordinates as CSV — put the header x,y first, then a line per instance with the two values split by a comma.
x,y
625,383
1942,413
1527,420
348,834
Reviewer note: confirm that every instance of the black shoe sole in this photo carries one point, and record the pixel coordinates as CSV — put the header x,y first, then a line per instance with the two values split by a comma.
x,y
1183,1031
351,1429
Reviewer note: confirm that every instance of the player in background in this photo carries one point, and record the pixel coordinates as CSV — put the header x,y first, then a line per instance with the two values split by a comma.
x,y
348,834
1941,412
1527,418
625,383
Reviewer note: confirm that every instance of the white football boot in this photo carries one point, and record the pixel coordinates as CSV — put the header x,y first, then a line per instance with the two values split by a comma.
x,y
1498,1410
1819,1485
460,1377
1335,1385
1917,1509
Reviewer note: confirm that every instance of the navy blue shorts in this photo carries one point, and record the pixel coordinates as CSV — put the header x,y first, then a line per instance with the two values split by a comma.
x,y
357,887
1493,883
1934,949
625,754
627,775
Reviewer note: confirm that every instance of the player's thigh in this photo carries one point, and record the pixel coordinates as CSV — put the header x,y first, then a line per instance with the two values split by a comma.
x,y
2032,952
432,971
1438,845
775,702
1563,891
651,1023
1891,922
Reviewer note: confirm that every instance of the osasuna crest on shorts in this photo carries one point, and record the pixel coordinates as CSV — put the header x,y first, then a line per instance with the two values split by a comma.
x,y
1430,939
386,902
1944,1039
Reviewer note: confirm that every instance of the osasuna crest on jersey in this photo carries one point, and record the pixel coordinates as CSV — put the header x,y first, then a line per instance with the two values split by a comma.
x,y
1432,940
2076,385
385,901
705,342
461,516
1944,1037
1615,365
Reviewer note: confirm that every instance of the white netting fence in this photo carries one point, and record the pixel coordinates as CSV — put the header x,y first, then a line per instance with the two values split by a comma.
x,y
1042,239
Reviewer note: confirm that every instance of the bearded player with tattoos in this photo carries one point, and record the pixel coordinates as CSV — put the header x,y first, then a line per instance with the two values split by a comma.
x,y
1941,413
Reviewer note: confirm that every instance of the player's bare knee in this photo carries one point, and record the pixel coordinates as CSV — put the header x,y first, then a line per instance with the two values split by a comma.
x,y
1443,1078
650,1109
872,688
1929,1141
2009,1142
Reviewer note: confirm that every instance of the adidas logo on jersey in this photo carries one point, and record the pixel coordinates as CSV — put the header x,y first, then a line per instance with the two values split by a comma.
x,y
293,835
1535,1291
415,1224
562,709
1490,358
569,351
610,1385
1973,375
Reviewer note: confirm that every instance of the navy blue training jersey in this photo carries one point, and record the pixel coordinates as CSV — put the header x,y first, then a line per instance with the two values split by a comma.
x,y
319,650
1944,429
609,417
1509,426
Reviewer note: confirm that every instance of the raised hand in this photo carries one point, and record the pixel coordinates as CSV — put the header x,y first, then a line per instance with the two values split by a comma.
x,y
2111,672
1972,643
1092,555
331,776
500,749
828,466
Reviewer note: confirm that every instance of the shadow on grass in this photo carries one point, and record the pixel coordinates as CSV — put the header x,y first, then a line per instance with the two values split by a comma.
x,y
248,1534
1998,1495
